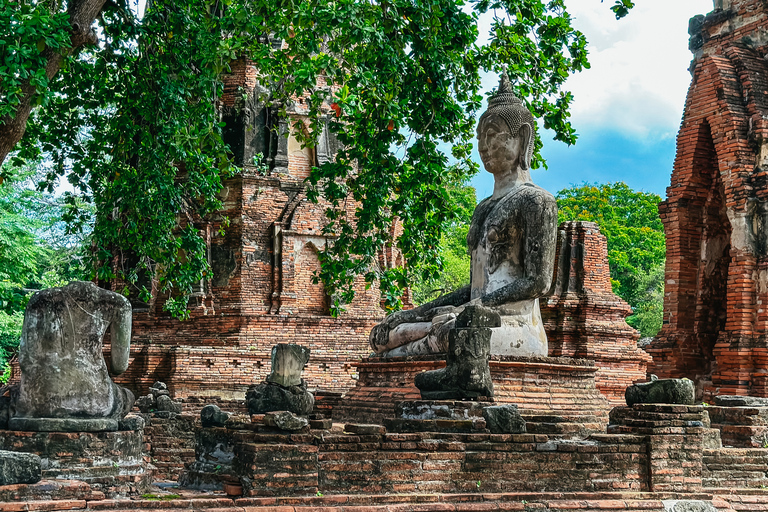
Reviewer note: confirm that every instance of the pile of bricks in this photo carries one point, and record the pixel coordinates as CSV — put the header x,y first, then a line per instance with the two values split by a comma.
x,y
108,462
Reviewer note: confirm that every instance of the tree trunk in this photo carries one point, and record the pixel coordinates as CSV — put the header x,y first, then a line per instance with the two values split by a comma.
x,y
82,13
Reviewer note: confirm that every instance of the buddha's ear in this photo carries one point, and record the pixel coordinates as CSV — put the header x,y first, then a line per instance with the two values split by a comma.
x,y
525,134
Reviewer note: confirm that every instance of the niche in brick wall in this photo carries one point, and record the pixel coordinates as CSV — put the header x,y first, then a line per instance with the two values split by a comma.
x,y
714,252
310,297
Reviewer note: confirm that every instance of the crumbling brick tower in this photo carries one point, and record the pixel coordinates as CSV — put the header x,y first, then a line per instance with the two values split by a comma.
x,y
261,292
716,212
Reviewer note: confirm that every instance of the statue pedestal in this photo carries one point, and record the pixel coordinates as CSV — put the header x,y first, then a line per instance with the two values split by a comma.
x,y
555,395
110,462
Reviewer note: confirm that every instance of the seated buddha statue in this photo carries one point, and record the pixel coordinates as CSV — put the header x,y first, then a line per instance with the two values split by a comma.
x,y
511,240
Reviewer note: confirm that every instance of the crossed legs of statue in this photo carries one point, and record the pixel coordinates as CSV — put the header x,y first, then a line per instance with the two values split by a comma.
x,y
422,337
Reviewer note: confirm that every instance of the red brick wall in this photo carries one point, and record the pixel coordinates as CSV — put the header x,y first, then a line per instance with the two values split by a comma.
x,y
714,314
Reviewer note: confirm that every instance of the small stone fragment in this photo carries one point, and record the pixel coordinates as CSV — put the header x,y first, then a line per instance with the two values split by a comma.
x,y
661,391
285,420
323,424
213,416
19,468
131,422
146,403
160,385
504,419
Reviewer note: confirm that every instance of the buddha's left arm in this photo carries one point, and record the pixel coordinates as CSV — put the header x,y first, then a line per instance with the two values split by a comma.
x,y
120,326
538,253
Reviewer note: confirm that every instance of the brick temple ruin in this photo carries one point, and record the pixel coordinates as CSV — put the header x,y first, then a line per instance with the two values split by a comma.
x,y
261,292
715,315
580,452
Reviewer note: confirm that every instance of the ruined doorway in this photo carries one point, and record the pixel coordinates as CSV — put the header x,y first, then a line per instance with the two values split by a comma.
x,y
712,275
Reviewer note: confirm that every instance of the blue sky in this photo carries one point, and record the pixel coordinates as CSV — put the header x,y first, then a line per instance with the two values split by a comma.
x,y
628,106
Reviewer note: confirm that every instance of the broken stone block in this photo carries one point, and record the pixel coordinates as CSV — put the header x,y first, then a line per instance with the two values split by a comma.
x,y
131,422
740,401
213,416
661,391
466,374
19,468
504,419
285,420
164,403
288,361
146,403
268,397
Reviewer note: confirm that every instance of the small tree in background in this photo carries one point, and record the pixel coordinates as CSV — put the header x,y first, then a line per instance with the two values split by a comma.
x,y
36,252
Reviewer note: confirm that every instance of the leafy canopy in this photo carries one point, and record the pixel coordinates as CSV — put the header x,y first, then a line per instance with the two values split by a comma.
x,y
132,121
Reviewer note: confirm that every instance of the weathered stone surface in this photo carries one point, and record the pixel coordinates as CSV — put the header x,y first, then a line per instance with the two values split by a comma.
x,y
159,402
19,468
288,361
164,403
64,424
467,374
688,506
740,401
364,430
63,372
146,403
512,241
212,416
662,391
8,396
268,397
504,419
285,420
478,316
131,422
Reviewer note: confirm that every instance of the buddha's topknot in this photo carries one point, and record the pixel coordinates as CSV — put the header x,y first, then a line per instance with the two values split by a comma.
x,y
509,107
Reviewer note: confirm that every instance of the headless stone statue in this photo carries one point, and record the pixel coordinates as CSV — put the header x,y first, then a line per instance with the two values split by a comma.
x,y
65,385
511,239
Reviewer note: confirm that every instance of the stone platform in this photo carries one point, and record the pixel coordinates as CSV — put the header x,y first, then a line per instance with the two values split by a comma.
x,y
109,462
555,395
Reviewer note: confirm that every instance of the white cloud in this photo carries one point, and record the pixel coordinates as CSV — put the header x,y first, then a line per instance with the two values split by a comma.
x,y
639,75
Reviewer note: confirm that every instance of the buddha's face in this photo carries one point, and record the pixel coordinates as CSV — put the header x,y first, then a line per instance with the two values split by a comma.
x,y
499,150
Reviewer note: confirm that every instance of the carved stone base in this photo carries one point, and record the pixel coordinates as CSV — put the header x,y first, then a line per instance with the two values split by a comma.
x,y
63,424
110,462
555,395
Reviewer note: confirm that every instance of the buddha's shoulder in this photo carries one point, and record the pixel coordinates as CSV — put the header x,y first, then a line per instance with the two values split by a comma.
x,y
529,194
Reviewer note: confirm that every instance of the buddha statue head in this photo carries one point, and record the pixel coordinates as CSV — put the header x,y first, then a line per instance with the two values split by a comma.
x,y
505,132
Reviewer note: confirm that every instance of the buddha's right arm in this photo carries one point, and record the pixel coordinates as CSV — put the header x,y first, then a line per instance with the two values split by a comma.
x,y
380,339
